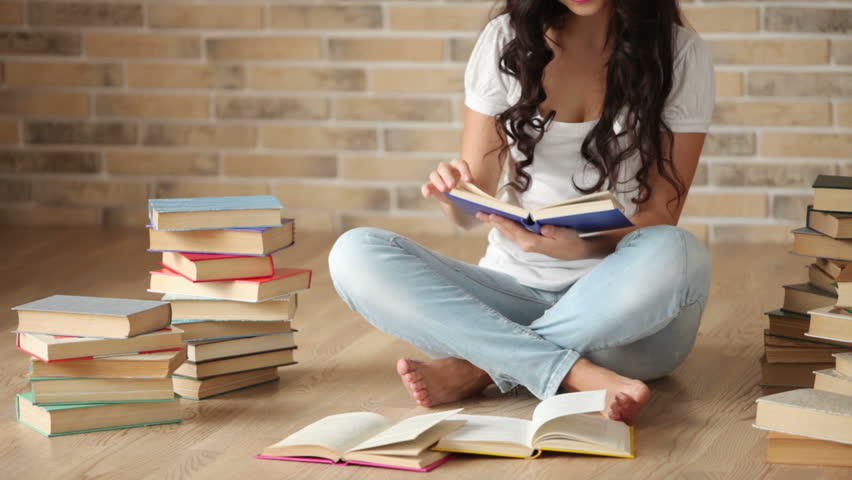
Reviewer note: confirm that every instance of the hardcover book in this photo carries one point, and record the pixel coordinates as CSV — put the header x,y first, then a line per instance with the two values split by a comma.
x,y
810,243
833,193
366,438
47,390
807,412
242,363
127,366
92,316
195,389
53,420
590,213
57,348
569,422
214,212
798,450
833,224
195,330
256,241
204,350
831,323
285,281
803,297
188,307
831,380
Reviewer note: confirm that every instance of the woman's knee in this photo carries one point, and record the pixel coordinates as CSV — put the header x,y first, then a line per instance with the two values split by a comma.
x,y
352,254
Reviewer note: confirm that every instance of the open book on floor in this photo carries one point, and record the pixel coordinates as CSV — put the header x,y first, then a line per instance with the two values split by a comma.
x,y
365,438
595,212
563,423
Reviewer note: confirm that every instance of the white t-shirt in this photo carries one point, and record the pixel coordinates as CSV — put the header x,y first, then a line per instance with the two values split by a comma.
x,y
689,108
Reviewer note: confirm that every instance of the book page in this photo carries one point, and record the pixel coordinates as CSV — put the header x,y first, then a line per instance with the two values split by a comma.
x,y
471,193
480,429
568,404
339,432
405,430
588,428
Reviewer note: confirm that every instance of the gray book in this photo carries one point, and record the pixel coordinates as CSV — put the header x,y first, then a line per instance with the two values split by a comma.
x,y
93,316
807,412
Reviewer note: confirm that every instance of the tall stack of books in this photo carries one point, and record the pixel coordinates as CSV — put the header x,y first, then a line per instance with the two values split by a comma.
x,y
232,290
793,350
813,426
97,364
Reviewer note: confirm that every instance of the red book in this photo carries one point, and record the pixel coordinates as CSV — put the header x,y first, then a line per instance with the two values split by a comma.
x,y
283,282
205,267
55,348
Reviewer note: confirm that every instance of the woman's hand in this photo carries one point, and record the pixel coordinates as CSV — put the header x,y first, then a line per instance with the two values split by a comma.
x,y
556,242
444,178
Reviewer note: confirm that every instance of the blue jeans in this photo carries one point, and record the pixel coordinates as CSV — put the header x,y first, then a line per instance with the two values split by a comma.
x,y
636,313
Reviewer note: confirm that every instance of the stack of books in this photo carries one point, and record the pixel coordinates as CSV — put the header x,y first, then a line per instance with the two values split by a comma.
x,y
813,426
793,349
97,364
232,290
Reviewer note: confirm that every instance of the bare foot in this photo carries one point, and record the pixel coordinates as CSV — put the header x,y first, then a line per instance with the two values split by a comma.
x,y
625,396
442,380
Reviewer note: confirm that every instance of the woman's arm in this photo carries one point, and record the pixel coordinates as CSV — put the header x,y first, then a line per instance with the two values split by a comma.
x,y
662,208
479,164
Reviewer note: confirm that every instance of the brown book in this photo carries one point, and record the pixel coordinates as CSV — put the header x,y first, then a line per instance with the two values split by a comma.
x,y
775,354
833,193
126,366
804,297
839,270
195,389
774,339
52,348
237,241
807,412
798,450
220,330
92,316
820,279
211,368
789,374
833,224
100,390
213,349
831,324
809,242
185,307
832,380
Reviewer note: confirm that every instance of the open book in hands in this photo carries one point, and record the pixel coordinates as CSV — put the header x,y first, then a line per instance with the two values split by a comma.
x,y
563,423
365,438
595,212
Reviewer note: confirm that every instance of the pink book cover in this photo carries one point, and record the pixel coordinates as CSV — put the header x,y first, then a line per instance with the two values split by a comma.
x,y
427,468
200,257
279,274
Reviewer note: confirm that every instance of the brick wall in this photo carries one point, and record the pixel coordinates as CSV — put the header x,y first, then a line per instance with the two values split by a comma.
x,y
342,108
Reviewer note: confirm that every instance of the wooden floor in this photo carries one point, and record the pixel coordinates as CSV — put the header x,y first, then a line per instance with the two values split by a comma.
x,y
697,425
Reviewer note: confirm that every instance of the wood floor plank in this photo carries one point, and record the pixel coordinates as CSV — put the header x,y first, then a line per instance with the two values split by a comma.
x,y
697,425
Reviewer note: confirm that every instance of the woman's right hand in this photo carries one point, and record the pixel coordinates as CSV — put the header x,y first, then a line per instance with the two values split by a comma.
x,y
444,178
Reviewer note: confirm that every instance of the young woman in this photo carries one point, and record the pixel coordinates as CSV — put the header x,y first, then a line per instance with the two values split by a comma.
x,y
563,98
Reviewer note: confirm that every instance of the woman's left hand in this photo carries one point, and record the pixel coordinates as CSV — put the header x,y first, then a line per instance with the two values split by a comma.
x,y
556,242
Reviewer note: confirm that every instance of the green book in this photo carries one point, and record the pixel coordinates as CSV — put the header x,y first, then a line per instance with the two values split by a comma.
x,y
54,420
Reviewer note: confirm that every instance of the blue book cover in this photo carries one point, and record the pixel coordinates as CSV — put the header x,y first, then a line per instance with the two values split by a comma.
x,y
160,208
596,212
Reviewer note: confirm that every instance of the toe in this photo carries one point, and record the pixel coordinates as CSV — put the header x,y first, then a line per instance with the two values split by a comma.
x,y
403,366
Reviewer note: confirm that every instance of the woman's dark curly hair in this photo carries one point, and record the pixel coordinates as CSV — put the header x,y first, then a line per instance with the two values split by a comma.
x,y
638,80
